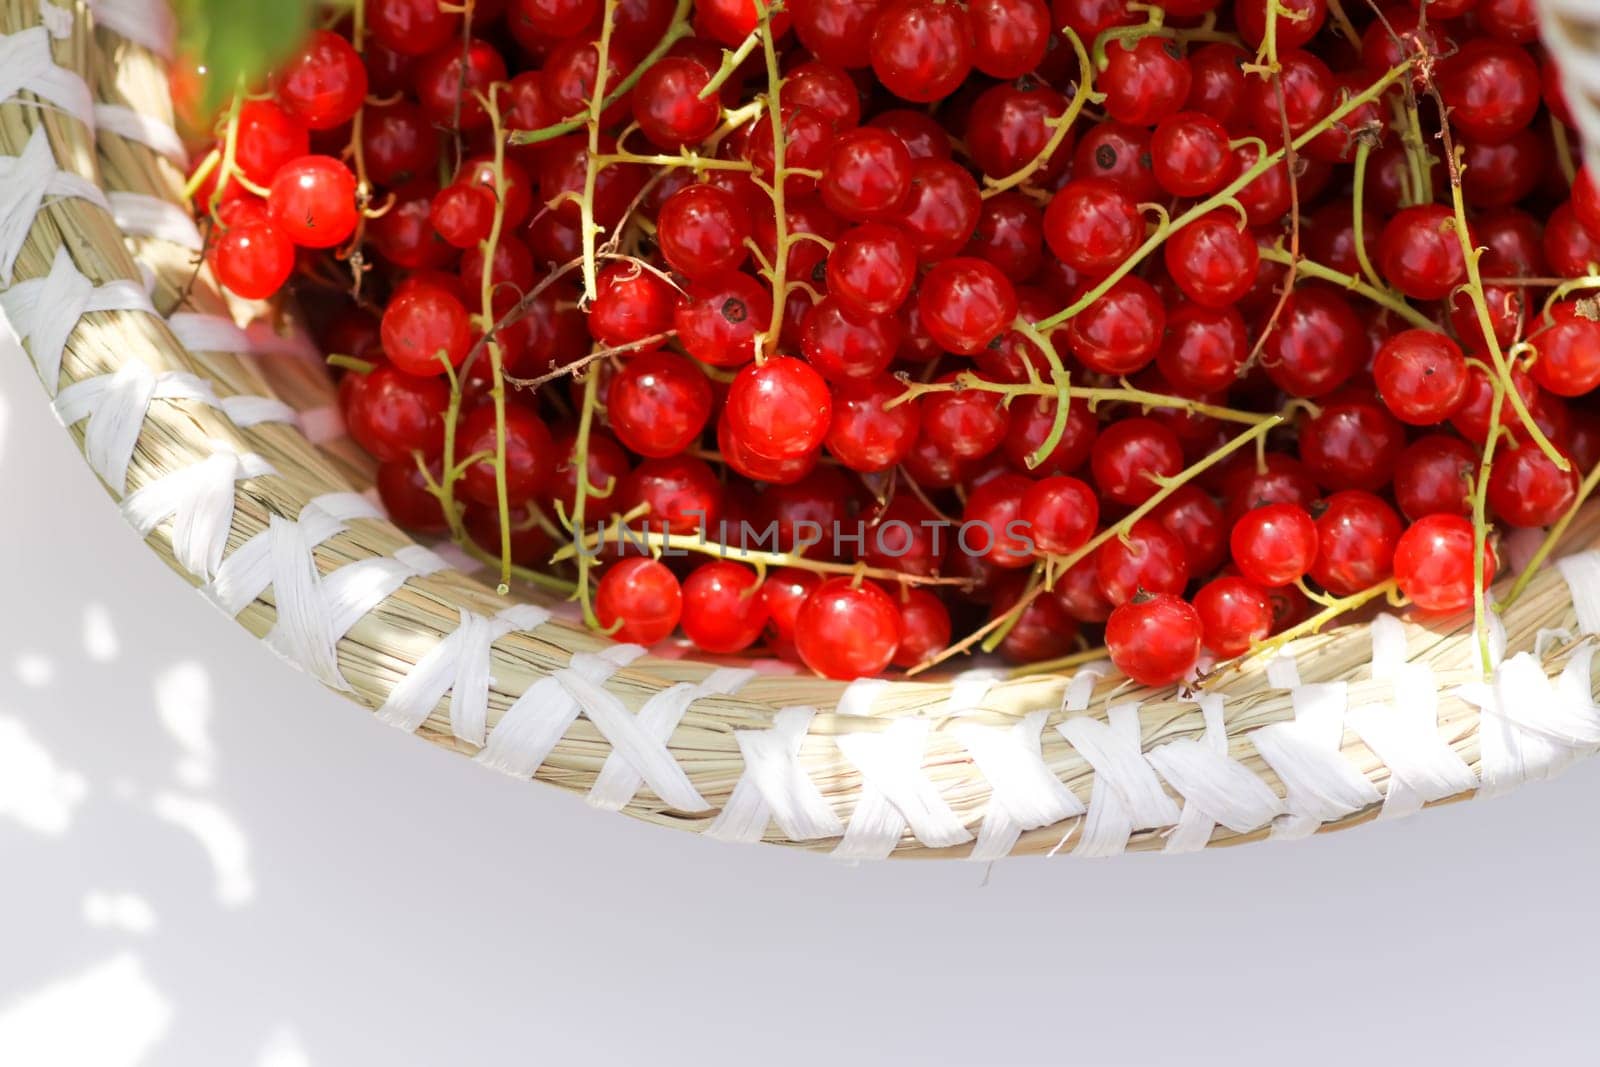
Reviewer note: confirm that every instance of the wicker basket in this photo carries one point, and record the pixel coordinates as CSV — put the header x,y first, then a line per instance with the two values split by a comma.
x,y
224,448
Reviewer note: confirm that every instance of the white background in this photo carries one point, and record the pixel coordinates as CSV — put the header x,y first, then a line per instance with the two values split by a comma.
x,y
207,860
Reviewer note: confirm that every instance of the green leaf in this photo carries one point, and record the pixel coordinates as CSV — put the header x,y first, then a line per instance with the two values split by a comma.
x,y
239,41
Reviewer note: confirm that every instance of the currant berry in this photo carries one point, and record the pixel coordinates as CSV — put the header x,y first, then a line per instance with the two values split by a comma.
x,y
426,329
253,259
392,414
847,630
837,31
324,84
1569,353
1234,616
412,27
407,498
723,609
463,214
269,137
1434,563
668,106
867,175
1356,537
780,409
1146,559
1527,489
1317,344
872,268
942,209
1491,87
1009,233
658,403
1420,252
1154,640
1010,126
866,434
844,347
530,454
679,494
1119,333
724,319
630,305
965,424
924,628
450,84
1092,225
1212,260
702,231
1190,154
1204,348
1131,456
922,49
1145,81
1352,442
313,200
1421,375
966,304
1274,545
638,600
1062,514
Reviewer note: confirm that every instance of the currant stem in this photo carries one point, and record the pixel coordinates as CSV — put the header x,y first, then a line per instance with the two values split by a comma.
x,y
1382,297
1223,197
1062,124
677,31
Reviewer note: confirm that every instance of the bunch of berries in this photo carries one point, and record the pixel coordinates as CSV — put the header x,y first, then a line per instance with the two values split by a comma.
x,y
866,333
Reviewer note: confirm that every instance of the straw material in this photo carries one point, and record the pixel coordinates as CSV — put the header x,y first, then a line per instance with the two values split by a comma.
x,y
902,767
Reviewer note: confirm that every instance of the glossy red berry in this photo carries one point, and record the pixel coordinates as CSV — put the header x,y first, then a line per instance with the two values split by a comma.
x,y
1121,331
1434,563
1204,348
1212,260
1297,20
630,304
847,630
1352,442
530,454
1234,615
1491,87
1190,154
837,31
556,18
872,268
922,49
866,434
313,200
924,628
253,259
723,610
942,209
425,329
407,498
412,27
1420,252
638,600
324,84
463,214
1421,375
1131,455
966,303
1568,362
723,319
1528,489
658,403
1356,537
966,424
1155,641
1316,345
1062,514
1148,559
867,175
1146,81
1093,225
269,137
780,409
392,414
1274,545
702,231
668,106
450,81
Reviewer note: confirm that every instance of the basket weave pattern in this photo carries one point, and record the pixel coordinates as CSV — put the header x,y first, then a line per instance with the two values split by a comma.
x,y
223,448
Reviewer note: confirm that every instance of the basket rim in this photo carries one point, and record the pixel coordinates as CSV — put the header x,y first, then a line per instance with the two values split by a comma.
x,y
178,416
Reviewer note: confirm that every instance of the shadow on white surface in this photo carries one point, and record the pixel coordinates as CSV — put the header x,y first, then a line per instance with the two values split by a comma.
x,y
206,859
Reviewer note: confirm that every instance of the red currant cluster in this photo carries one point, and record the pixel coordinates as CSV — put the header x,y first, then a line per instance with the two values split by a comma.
x,y
1197,324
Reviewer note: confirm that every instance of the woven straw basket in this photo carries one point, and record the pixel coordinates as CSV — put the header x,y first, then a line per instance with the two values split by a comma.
x,y
224,448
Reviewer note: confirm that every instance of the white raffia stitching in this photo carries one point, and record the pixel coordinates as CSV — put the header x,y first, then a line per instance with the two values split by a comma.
x,y
458,665
625,770
1404,733
1216,788
131,125
1025,795
536,721
116,405
209,333
199,500
1306,754
144,22
150,216
26,65
1126,795
25,181
44,311
774,787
